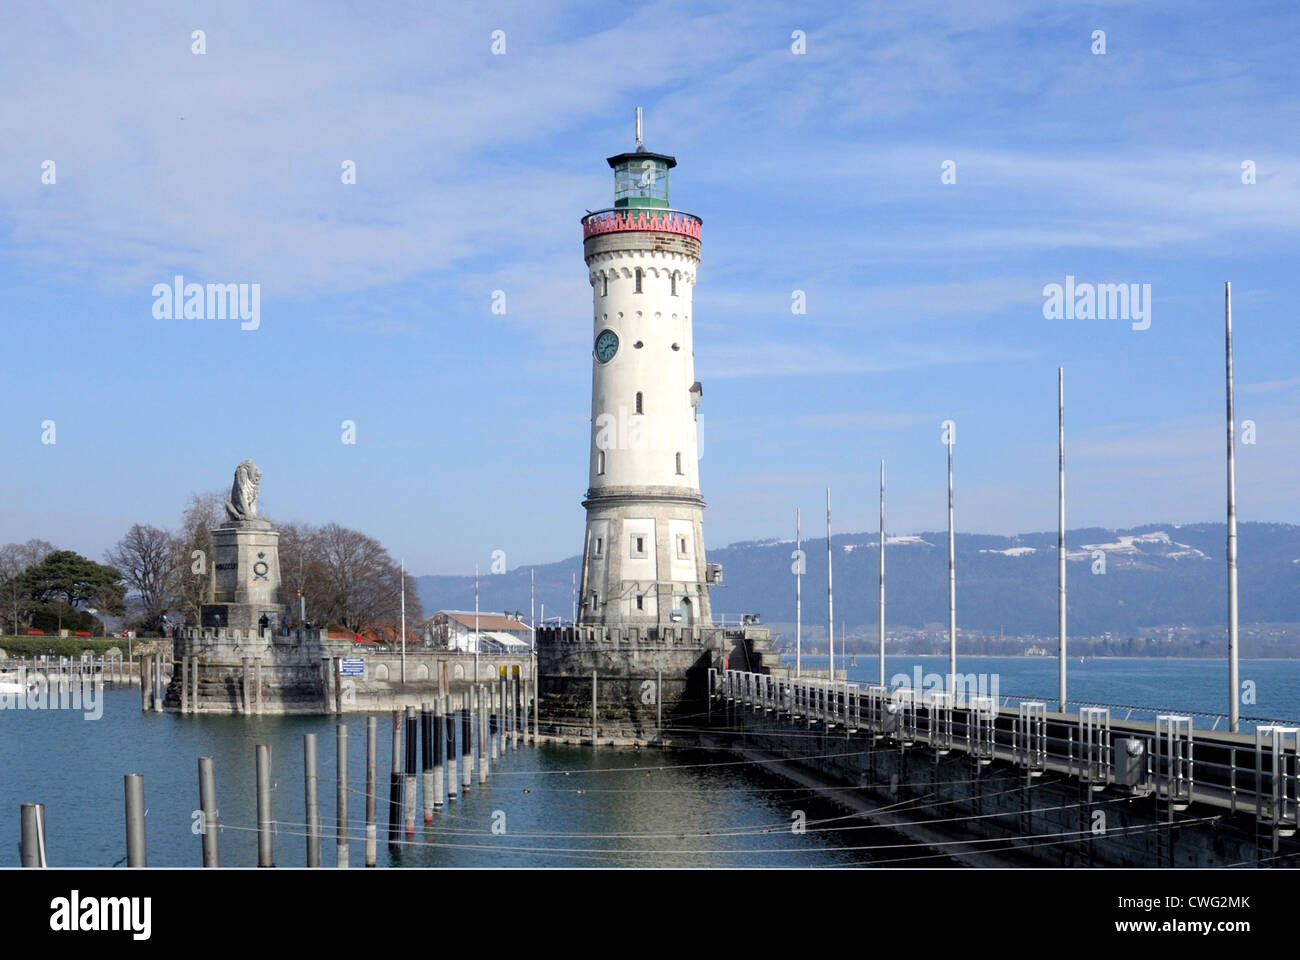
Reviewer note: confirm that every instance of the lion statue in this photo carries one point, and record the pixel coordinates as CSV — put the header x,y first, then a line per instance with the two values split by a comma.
x,y
243,493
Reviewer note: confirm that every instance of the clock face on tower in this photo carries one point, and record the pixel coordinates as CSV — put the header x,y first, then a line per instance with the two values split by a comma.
x,y
606,345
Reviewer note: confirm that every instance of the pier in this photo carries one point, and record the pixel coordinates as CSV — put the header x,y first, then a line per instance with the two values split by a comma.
x,y
995,784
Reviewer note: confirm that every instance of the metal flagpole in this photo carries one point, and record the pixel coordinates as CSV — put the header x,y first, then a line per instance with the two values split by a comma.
x,y
952,582
830,597
1060,536
798,596
403,621
882,571
1234,720
476,639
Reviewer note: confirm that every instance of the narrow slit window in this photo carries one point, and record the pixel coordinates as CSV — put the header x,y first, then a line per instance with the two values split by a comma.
x,y
679,463
674,283
604,285
600,463
640,602
600,542
638,279
638,402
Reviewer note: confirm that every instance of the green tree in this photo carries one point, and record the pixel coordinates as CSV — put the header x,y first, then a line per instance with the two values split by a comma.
x,y
68,577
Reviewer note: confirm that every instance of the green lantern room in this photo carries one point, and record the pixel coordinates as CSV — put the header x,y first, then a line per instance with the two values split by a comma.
x,y
641,179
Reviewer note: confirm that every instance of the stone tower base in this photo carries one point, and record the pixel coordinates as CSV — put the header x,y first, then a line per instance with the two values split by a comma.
x,y
628,664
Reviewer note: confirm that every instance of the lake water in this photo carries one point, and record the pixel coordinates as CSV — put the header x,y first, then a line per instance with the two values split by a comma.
x,y
1170,686
560,806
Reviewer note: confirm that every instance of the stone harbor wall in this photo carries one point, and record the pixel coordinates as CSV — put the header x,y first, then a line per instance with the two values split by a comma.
x,y
228,671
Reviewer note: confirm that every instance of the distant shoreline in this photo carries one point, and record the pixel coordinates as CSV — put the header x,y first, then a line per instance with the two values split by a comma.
x,y
1011,656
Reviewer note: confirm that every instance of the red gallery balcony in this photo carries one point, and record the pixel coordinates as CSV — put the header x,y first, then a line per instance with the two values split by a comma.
x,y
654,221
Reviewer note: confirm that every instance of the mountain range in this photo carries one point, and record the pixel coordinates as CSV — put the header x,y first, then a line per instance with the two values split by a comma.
x,y
1118,581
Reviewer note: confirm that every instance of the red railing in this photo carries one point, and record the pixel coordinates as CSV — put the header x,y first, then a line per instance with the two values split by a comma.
x,y
661,221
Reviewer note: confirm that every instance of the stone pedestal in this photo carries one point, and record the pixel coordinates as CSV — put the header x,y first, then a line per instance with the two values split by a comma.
x,y
246,566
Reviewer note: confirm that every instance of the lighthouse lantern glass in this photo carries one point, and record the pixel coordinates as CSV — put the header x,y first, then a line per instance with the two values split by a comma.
x,y
641,182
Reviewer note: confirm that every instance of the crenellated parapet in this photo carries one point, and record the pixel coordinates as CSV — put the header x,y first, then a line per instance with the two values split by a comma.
x,y
648,221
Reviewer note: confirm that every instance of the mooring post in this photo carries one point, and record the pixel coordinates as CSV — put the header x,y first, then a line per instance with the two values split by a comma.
x,y
244,687
32,846
482,735
208,811
449,745
515,707
372,764
438,744
162,687
145,689
464,751
341,782
185,684
395,783
492,722
537,704
525,708
412,742
468,729
426,758
135,845
659,700
467,744
265,854
312,798
593,707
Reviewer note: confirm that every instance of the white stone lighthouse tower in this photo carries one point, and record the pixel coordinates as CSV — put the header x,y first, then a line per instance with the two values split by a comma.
x,y
643,558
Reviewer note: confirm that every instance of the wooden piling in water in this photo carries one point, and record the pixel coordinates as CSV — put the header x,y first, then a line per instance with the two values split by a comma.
x,y
467,744
135,840
311,798
409,782
31,850
372,762
439,747
449,733
482,734
426,758
341,783
493,690
395,783
514,708
208,811
463,750
265,851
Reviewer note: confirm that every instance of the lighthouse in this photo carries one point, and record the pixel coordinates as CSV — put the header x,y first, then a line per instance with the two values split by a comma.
x,y
644,647
643,554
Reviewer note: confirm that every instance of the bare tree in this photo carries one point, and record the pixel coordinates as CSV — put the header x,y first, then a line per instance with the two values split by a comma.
x,y
147,558
360,584
193,546
14,559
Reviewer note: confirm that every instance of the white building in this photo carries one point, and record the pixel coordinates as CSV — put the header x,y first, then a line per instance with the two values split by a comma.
x,y
496,633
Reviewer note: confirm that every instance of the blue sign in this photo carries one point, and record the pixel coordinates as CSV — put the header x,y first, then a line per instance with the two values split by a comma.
x,y
352,667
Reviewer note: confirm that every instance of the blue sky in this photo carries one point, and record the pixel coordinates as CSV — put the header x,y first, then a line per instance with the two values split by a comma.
x,y
818,172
